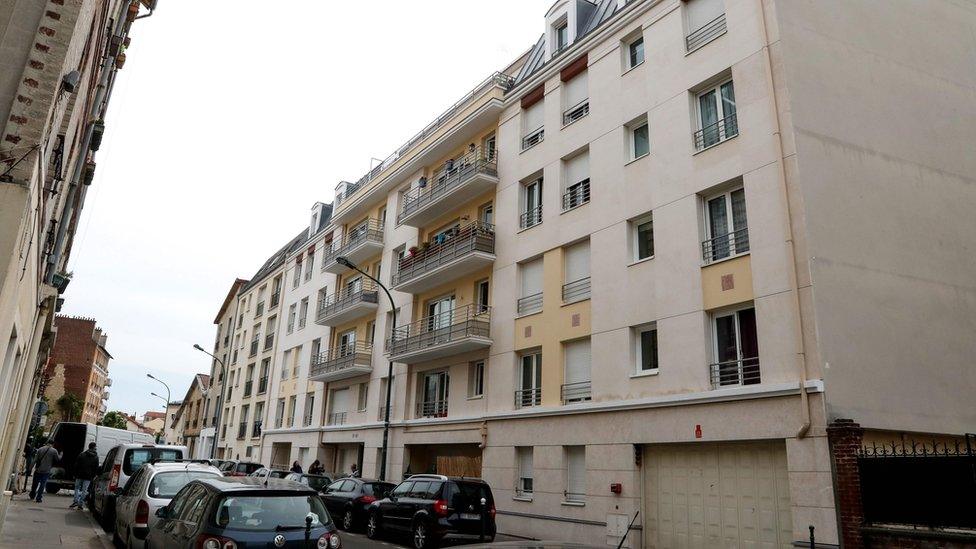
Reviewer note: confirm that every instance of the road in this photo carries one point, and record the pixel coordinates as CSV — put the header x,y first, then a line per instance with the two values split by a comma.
x,y
360,541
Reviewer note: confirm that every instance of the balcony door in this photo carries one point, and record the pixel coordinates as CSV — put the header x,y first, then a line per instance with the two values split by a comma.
x,y
530,379
736,348
533,203
716,110
354,286
440,314
726,225
347,343
434,394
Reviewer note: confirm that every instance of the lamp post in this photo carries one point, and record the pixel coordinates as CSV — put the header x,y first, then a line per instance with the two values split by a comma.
x,y
220,394
160,398
344,261
165,415
168,400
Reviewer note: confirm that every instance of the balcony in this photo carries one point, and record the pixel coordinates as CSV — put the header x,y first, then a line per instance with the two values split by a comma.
x,y
360,244
575,392
576,291
713,134
744,371
337,418
530,217
528,397
465,250
725,246
342,362
576,112
577,195
431,408
457,331
458,182
705,34
348,304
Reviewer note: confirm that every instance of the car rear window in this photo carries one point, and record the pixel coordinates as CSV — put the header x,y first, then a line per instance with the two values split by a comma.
x,y
469,494
135,457
248,468
266,513
376,489
165,485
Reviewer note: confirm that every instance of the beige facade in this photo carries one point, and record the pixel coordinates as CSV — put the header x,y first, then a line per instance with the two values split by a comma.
x,y
190,416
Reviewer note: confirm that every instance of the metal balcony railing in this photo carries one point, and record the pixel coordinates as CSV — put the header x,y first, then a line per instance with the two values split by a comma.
x,y
575,497
341,357
713,134
530,218
254,347
241,430
278,421
528,397
247,387
268,341
529,304
256,429
708,31
577,195
576,392
577,290
452,175
576,112
735,372
337,418
462,322
726,245
302,321
533,138
307,419
432,408
473,237
372,230
259,310
263,385
230,391
347,297
275,297
381,415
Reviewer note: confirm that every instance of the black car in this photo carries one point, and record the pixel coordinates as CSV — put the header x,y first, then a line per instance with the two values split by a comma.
x,y
348,499
432,507
226,513
235,468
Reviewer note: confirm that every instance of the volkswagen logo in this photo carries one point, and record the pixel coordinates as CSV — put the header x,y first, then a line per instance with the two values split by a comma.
x,y
279,540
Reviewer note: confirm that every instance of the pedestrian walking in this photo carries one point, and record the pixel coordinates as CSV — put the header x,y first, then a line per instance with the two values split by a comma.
x,y
316,468
296,467
44,460
86,467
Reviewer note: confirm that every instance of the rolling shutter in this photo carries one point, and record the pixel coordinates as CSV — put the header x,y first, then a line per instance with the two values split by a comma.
x,y
532,278
575,472
576,91
577,169
578,360
577,262
702,12
340,400
534,117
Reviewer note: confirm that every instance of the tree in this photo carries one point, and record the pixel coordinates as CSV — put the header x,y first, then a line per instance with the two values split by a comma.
x,y
114,419
70,407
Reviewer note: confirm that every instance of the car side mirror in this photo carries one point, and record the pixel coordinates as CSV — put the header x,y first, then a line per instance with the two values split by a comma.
x,y
163,512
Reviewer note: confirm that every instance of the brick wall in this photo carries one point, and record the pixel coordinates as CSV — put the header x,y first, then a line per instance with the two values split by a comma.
x,y
70,367
845,438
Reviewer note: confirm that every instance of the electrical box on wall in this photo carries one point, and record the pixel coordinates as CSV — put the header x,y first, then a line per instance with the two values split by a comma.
x,y
616,488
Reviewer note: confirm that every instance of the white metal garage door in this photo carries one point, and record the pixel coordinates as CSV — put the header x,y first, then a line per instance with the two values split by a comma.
x,y
717,495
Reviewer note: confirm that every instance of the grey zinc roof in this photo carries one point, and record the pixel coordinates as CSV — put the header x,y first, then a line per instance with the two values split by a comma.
x,y
293,245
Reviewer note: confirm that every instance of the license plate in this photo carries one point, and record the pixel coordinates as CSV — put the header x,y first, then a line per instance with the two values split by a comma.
x,y
470,516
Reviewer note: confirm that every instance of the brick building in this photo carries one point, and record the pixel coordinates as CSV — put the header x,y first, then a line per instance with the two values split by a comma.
x,y
78,366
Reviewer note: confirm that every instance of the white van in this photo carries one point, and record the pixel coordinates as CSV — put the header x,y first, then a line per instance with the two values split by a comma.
x,y
72,439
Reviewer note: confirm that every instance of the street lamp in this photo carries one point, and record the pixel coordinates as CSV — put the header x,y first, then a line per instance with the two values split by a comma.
x,y
344,261
168,399
220,394
163,399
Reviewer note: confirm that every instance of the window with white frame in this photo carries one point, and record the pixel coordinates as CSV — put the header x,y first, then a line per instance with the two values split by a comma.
x,y
635,52
292,404
575,457
486,214
285,363
297,278
560,36
531,204
362,396
315,350
309,409
576,180
638,138
576,98
295,364
481,295
716,115
726,226
533,124
704,21
292,313
576,272
735,346
303,313
576,377
529,391
476,379
434,390
339,407
309,264
280,413
530,287
523,460
642,237
645,340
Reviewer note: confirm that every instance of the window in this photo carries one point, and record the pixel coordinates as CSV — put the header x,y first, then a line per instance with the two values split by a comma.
x,y
530,287
280,413
323,295
292,404
530,380
635,53
481,295
370,332
531,204
363,395
716,116
291,317
705,20
346,341
523,460
265,369
576,99
284,364
576,272
309,409
303,314
298,272
476,379
561,35
242,430
258,419
576,373
339,405
316,350
295,365
490,148
309,264
533,125
646,337
638,139
726,226
575,473
736,349
434,387
576,180
642,235
487,214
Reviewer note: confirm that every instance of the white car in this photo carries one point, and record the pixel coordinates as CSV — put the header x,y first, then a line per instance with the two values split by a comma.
x,y
152,487
120,463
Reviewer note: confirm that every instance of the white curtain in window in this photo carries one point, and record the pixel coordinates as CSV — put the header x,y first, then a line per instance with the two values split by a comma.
x,y
577,356
577,259
533,117
575,90
577,168
702,12
340,400
531,277
576,471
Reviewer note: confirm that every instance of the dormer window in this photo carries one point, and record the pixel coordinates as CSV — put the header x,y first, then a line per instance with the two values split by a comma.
x,y
562,37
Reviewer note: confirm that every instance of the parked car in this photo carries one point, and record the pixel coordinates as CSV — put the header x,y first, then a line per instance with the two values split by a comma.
x,y
432,507
264,473
218,463
149,489
235,468
120,463
225,513
315,482
348,499
73,438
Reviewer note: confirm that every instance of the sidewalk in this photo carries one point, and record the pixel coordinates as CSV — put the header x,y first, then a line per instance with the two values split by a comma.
x,y
50,524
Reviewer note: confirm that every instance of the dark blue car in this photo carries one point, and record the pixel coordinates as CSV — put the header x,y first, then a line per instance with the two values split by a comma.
x,y
241,513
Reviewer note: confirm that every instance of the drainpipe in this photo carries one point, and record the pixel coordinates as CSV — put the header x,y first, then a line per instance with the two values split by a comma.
x,y
794,283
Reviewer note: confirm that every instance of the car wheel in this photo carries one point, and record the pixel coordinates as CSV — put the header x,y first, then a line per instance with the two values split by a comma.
x,y
116,540
348,520
107,518
421,535
373,527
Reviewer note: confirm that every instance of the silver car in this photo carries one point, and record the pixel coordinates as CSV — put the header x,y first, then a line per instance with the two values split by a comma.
x,y
150,488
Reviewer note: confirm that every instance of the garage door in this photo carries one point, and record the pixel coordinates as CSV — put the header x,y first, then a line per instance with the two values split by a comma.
x,y
717,495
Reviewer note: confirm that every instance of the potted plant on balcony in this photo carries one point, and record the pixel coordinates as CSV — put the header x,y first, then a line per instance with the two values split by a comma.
x,y
413,251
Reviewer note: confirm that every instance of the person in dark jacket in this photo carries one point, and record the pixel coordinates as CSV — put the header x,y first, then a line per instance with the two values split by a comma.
x,y
316,468
44,461
86,467
296,467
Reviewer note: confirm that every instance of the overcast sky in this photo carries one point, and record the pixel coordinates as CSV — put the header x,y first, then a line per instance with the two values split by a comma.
x,y
228,121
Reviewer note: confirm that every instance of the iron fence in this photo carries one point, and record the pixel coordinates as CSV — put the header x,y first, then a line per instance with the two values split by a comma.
x,y
337,418
528,397
371,230
717,132
744,371
347,297
268,341
461,241
708,31
533,138
530,217
454,173
577,195
577,290
529,304
576,392
459,323
256,429
576,112
432,408
725,245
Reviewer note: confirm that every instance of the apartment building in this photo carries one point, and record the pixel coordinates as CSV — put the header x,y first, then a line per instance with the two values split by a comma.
x,y
223,350
78,368
190,417
56,73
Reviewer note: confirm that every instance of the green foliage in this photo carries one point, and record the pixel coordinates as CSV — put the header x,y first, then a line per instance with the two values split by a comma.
x,y
70,407
113,419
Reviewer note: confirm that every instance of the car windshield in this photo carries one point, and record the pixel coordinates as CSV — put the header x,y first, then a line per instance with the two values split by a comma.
x,y
167,484
317,482
135,457
267,513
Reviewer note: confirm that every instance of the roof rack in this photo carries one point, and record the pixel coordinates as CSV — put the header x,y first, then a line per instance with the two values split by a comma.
x,y
177,460
428,476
